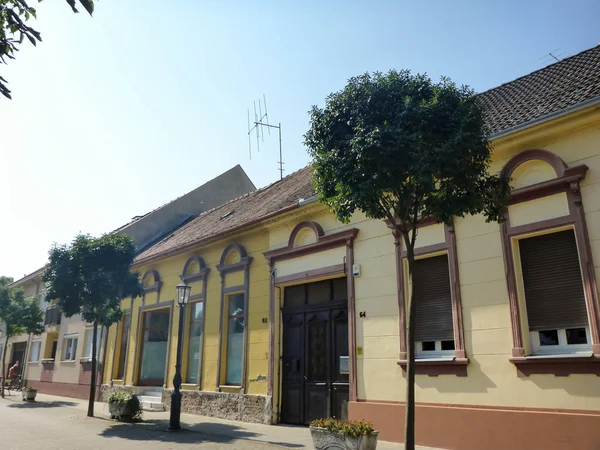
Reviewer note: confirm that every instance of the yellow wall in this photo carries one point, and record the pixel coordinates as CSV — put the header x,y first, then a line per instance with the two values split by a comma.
x,y
492,379
169,269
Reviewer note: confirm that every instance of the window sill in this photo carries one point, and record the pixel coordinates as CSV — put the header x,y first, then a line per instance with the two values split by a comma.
x,y
48,361
558,365
229,387
33,362
438,366
68,361
86,359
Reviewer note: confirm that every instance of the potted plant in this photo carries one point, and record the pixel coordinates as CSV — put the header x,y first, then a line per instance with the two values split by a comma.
x,y
29,393
338,433
124,406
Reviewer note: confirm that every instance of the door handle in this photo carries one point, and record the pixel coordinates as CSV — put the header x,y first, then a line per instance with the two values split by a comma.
x,y
305,378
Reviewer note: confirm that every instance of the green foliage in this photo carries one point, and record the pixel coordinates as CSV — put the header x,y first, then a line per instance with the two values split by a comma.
x,y
353,428
91,276
398,146
19,315
401,148
13,29
128,403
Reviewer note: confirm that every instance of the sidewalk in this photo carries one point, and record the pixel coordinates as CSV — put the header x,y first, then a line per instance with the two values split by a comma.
x,y
212,432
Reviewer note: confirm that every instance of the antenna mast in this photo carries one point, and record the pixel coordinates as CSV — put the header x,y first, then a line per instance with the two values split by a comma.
x,y
262,120
553,55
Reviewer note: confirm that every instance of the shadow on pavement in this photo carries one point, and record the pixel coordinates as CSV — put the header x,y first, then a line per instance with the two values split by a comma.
x,y
54,404
156,430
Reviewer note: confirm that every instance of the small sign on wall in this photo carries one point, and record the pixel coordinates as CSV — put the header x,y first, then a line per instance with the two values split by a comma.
x,y
359,350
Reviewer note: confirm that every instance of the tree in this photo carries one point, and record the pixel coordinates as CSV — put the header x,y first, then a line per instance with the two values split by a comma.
x,y
13,29
19,315
401,148
90,277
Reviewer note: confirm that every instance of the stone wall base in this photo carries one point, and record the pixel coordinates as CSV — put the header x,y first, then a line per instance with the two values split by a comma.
x,y
241,407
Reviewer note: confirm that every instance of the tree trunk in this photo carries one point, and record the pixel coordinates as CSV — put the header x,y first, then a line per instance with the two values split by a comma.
x,y
3,363
90,412
409,425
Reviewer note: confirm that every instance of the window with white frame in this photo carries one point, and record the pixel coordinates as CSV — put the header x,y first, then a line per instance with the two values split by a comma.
x,y
89,338
34,353
69,347
42,300
554,296
434,330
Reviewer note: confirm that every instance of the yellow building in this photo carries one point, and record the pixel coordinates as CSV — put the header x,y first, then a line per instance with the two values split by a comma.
x,y
295,316
59,360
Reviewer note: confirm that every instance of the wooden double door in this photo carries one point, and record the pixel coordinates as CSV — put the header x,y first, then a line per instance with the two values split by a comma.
x,y
315,380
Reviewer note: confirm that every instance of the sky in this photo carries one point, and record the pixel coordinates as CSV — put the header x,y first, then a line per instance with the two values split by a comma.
x,y
115,115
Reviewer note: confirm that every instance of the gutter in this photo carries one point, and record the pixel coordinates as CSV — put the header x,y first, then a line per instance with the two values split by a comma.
x,y
299,204
548,117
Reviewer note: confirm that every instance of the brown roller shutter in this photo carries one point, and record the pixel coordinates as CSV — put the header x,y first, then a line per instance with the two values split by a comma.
x,y
552,280
431,285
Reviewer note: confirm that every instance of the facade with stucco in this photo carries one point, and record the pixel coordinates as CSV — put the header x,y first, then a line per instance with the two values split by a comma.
x,y
59,360
304,317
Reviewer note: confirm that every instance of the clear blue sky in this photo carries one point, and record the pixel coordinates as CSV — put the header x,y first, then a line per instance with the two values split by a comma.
x,y
115,115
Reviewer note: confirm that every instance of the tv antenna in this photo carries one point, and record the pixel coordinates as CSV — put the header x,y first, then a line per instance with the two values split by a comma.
x,y
553,55
262,120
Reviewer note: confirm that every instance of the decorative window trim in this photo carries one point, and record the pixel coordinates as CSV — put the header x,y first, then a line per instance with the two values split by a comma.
x,y
155,287
202,275
324,243
567,181
139,340
115,360
224,269
433,366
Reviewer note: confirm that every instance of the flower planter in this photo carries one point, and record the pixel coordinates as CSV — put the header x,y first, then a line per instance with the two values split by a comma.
x,y
121,411
29,395
324,439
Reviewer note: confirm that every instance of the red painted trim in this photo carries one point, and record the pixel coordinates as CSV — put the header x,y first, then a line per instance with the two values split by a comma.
x,y
323,243
321,272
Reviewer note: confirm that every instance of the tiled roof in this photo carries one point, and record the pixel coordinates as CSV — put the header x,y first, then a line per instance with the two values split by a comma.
x,y
240,211
560,85
555,87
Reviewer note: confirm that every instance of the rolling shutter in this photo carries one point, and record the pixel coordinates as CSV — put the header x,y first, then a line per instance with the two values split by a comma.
x,y
431,288
552,279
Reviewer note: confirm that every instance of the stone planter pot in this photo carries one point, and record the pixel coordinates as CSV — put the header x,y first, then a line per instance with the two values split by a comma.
x,y
330,440
29,395
121,411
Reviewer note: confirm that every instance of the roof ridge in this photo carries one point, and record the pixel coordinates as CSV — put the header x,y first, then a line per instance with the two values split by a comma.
x,y
541,69
248,194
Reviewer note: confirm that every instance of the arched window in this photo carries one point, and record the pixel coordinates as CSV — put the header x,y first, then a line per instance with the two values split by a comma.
x,y
550,274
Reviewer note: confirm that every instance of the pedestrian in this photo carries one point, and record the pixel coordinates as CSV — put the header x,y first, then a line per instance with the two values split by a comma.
x,y
14,370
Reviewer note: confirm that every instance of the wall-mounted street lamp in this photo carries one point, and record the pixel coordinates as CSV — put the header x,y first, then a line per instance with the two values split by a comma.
x,y
183,297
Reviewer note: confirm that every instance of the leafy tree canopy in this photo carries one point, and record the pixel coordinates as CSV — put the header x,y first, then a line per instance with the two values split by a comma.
x,y
399,146
20,315
13,29
91,276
